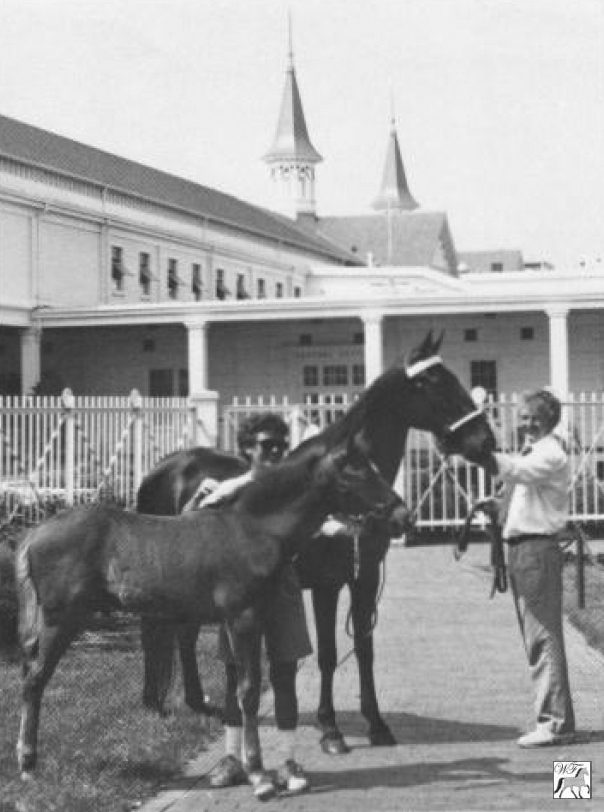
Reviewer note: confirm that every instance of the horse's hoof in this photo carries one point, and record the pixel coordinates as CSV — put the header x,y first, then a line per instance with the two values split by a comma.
x,y
382,738
213,711
334,744
27,765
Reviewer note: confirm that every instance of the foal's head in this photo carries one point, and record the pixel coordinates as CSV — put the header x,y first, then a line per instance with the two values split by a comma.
x,y
438,403
339,480
357,489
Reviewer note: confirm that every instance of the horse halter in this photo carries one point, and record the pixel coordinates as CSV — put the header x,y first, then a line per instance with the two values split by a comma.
x,y
413,370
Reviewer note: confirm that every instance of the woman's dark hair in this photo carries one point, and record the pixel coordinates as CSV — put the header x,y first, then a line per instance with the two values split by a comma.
x,y
256,423
547,404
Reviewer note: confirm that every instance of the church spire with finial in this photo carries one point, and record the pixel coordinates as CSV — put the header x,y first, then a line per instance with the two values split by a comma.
x,y
292,157
394,193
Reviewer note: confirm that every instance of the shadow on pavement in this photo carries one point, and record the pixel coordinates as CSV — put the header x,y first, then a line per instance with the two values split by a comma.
x,y
481,770
408,728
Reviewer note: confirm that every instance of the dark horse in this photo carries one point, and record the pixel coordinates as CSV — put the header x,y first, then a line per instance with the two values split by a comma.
x,y
200,567
420,394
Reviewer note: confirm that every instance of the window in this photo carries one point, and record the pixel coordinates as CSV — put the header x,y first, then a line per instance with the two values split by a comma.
x,y
484,373
117,268
241,291
144,273
161,383
496,267
183,383
173,280
279,290
358,338
527,333
310,375
358,374
196,284
335,375
297,292
305,340
149,345
261,288
471,334
166,383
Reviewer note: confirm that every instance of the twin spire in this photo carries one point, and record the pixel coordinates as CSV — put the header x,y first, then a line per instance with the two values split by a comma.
x,y
292,157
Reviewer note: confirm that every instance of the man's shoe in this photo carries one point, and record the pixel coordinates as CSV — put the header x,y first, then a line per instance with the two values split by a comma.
x,y
291,777
542,737
262,784
228,772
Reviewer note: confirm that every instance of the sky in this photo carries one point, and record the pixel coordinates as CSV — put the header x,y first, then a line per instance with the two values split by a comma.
x,y
499,104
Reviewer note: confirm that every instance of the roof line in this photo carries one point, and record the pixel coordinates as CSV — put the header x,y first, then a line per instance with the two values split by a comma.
x,y
174,206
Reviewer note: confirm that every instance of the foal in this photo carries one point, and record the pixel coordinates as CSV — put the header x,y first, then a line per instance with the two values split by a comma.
x,y
202,566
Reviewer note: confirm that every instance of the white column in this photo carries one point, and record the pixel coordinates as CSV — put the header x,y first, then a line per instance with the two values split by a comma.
x,y
31,339
558,349
204,404
197,333
374,346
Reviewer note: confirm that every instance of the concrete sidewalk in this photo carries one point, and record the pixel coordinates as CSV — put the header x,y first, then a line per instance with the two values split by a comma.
x,y
454,687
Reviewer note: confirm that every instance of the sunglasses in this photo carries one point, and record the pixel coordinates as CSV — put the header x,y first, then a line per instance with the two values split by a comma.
x,y
272,445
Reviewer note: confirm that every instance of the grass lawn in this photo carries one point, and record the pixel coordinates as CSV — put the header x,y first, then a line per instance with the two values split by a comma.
x,y
100,751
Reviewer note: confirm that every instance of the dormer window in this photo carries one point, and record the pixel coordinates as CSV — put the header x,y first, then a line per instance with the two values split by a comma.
x,y
196,283
118,271
221,289
144,273
173,280
241,289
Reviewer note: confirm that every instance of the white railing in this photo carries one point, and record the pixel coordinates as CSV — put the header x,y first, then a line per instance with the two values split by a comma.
x,y
69,450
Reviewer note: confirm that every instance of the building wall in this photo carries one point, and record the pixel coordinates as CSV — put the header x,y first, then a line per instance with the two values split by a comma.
x,y
56,237
15,255
264,359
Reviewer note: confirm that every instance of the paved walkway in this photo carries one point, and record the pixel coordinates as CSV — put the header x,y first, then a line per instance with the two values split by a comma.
x,y
454,687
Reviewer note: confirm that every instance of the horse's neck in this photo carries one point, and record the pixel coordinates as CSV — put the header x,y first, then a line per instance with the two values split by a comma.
x,y
386,448
298,516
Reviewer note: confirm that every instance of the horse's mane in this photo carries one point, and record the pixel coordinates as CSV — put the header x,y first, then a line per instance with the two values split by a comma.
x,y
272,485
367,411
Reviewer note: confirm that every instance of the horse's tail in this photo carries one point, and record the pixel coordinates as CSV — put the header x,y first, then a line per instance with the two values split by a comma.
x,y
159,649
30,609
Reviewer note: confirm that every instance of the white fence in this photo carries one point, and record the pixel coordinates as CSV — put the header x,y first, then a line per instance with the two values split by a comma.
x,y
75,449
68,450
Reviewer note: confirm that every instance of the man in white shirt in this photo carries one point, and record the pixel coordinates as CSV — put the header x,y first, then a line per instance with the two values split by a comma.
x,y
538,484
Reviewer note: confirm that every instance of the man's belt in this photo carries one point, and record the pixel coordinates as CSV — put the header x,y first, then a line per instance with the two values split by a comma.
x,y
514,540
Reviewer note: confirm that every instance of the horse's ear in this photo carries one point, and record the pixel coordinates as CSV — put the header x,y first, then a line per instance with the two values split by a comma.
x,y
438,342
425,349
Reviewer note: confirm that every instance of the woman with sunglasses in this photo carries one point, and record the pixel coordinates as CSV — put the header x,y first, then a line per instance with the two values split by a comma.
x,y
263,441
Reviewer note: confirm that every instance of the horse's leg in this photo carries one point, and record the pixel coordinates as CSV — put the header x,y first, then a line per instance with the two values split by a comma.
x,y
245,641
325,605
187,642
363,594
39,664
158,641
